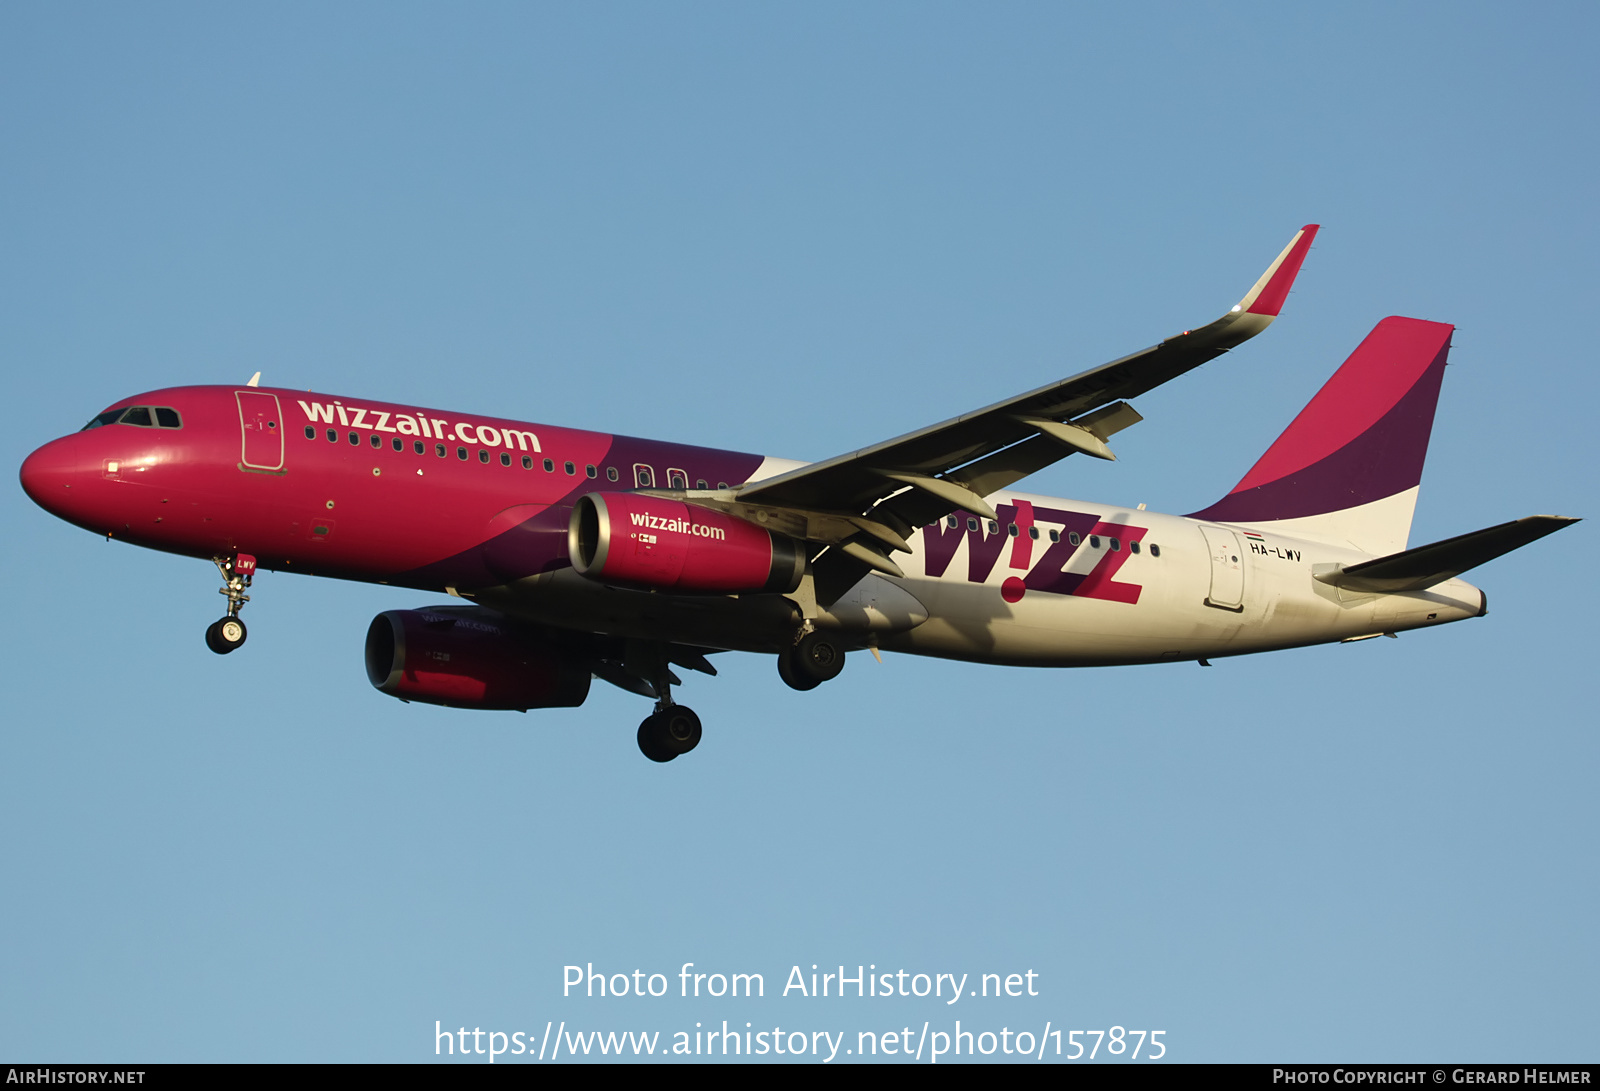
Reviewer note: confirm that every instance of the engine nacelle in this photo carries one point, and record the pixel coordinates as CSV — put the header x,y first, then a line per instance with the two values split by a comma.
x,y
465,657
668,545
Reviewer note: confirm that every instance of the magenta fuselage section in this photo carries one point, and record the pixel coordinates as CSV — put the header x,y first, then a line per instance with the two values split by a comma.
x,y
351,488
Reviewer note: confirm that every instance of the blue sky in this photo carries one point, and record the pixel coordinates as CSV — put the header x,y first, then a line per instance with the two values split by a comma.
x,y
798,230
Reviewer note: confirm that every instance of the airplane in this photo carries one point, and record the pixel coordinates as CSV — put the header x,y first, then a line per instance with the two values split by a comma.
x,y
579,555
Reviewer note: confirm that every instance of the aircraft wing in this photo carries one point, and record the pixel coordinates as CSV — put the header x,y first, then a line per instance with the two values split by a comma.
x,y
954,464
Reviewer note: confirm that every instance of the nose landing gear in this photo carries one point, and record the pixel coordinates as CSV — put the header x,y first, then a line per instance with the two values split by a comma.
x,y
228,632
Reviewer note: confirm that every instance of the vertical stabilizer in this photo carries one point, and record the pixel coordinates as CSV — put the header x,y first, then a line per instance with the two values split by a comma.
x,y
1347,469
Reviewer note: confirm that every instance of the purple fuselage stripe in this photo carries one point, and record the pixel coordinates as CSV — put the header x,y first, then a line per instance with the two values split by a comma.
x,y
539,543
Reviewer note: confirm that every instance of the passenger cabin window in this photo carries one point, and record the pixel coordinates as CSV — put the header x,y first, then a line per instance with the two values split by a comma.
x,y
399,444
677,479
611,473
643,478
1155,551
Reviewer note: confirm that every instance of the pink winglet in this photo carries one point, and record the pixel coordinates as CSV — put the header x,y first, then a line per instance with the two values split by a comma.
x,y
1270,301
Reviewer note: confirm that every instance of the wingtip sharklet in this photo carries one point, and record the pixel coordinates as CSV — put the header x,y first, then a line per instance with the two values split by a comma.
x,y
1267,296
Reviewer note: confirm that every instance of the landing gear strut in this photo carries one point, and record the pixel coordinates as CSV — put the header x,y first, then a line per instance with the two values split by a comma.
x,y
814,659
228,632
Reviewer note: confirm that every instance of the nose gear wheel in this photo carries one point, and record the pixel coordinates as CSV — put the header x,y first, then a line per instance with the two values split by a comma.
x,y
225,635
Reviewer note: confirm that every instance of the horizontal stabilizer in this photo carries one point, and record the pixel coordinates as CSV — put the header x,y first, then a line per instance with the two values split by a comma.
x,y
1421,568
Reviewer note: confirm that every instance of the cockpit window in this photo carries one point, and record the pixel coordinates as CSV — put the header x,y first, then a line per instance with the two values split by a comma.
x,y
139,416
108,417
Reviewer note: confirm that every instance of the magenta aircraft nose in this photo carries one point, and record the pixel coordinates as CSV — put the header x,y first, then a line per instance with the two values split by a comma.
x,y
53,474
40,471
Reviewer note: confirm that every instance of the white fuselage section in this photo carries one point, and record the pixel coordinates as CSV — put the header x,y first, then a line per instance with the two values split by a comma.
x,y
1052,582
1191,591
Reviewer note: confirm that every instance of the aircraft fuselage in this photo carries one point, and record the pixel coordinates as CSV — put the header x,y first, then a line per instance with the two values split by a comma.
x,y
479,507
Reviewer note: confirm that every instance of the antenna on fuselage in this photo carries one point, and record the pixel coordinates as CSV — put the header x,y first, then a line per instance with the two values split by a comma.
x,y
255,380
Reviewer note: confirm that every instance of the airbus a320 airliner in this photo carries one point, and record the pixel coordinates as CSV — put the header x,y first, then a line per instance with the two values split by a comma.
x,y
595,556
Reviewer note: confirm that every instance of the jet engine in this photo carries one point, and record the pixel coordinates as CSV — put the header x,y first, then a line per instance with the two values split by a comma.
x,y
668,545
468,657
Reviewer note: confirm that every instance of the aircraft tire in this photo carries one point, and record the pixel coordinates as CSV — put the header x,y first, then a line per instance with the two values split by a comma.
x,y
817,657
226,635
790,679
679,729
650,744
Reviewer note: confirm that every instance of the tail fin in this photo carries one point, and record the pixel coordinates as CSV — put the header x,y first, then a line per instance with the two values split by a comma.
x,y
1348,467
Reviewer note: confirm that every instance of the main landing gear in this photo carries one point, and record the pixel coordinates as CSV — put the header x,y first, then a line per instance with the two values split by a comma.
x,y
815,658
228,632
672,729
668,732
